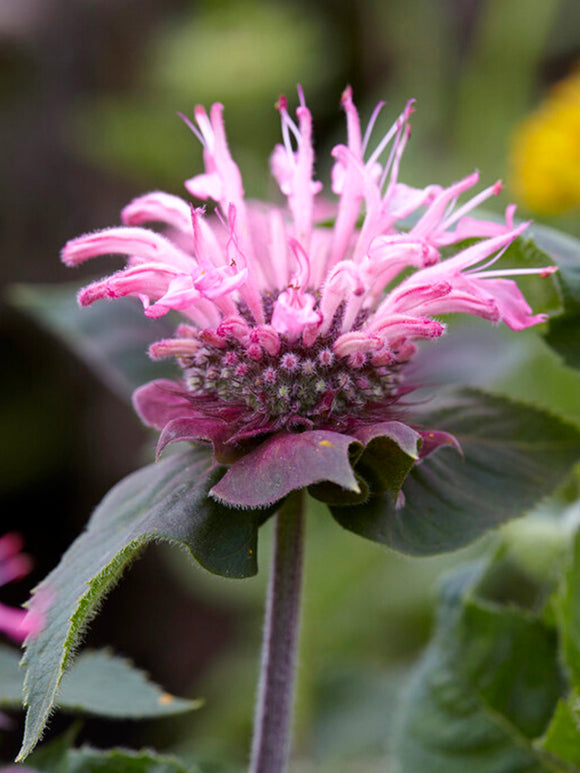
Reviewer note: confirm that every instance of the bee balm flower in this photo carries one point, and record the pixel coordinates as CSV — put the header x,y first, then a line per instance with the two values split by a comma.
x,y
296,334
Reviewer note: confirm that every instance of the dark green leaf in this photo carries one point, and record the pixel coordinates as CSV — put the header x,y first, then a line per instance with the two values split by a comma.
x,y
112,338
522,690
86,760
562,739
476,702
10,678
165,501
568,605
105,684
97,683
513,456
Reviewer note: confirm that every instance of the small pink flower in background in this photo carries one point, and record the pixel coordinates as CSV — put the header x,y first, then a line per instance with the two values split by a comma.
x,y
15,623
14,565
290,325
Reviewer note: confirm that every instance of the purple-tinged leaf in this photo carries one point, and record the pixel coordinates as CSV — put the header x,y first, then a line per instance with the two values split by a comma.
x,y
512,455
287,462
390,450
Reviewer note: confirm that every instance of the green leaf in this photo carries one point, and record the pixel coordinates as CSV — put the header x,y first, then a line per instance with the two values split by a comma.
x,y
87,760
475,700
568,607
524,691
111,338
562,738
10,678
564,331
97,683
104,684
164,501
513,455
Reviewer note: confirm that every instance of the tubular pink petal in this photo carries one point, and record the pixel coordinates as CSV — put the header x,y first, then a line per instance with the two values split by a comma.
x,y
268,338
493,190
206,186
293,311
404,200
471,256
302,276
293,170
174,347
158,207
466,303
213,338
347,179
236,327
146,281
397,326
343,280
225,165
140,243
282,168
413,298
356,341
278,248
513,307
205,244
437,210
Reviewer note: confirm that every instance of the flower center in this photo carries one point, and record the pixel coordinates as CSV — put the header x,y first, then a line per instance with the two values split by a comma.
x,y
299,388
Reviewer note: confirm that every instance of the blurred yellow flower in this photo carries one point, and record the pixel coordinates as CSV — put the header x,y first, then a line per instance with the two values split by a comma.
x,y
545,152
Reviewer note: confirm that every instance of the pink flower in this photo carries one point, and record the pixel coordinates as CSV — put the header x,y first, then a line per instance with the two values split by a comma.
x,y
291,326
16,623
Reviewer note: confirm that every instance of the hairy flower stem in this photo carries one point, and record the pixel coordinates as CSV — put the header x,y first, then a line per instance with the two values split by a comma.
x,y
271,743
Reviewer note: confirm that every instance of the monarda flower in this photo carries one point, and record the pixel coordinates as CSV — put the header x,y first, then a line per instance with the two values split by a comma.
x,y
15,623
299,320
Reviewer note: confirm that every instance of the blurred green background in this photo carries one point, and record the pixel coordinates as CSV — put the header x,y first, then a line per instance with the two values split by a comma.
x,y
89,91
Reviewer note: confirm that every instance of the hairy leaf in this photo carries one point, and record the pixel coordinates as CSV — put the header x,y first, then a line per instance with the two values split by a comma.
x,y
165,501
512,456
99,683
287,462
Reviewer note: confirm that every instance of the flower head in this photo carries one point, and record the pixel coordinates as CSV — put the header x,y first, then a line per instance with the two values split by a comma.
x,y
292,326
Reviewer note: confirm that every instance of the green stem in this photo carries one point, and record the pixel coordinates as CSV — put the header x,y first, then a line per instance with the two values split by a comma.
x,y
271,743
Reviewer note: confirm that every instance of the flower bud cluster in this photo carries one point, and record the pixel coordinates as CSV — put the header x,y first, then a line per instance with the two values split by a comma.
x,y
298,387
